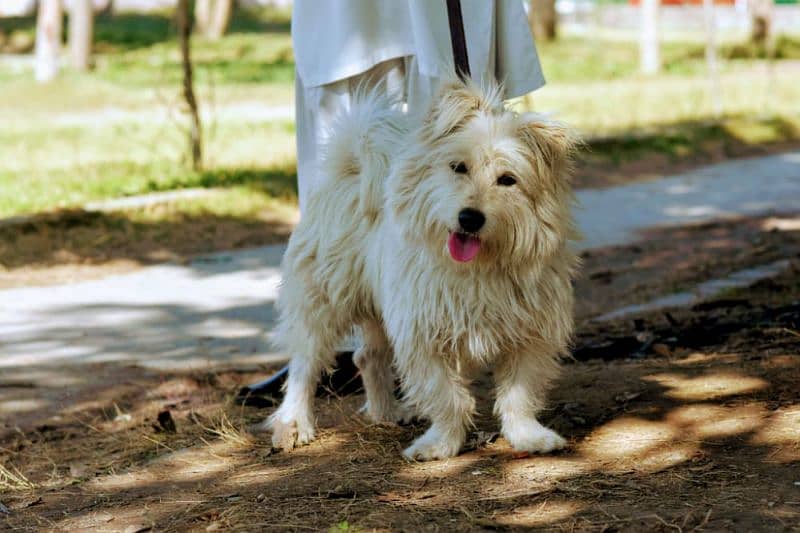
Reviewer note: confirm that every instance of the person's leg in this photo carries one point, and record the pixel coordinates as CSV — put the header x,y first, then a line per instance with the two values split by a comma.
x,y
316,109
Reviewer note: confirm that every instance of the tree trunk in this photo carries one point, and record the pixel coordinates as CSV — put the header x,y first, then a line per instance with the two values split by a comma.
x,y
202,15
220,19
81,22
195,129
650,54
711,57
543,19
761,13
212,17
48,39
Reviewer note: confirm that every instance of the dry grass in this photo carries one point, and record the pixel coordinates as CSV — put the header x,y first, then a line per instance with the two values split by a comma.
x,y
12,479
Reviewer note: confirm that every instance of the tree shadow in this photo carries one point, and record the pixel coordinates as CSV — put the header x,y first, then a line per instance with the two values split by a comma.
x,y
645,452
702,439
157,233
696,141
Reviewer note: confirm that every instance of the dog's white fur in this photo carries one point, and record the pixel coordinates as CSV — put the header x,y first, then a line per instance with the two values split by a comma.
x,y
371,250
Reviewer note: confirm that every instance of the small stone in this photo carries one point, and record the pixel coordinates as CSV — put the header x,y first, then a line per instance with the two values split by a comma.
x,y
137,528
166,423
627,396
260,498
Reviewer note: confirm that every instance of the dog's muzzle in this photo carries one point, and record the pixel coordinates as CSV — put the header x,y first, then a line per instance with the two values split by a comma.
x,y
471,220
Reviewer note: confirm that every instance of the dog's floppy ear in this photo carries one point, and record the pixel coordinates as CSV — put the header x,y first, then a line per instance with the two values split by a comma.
x,y
552,145
456,102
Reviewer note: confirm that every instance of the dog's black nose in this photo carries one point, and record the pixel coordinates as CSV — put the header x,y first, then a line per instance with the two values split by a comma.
x,y
471,220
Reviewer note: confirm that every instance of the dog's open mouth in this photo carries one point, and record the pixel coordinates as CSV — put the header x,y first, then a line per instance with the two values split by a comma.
x,y
463,246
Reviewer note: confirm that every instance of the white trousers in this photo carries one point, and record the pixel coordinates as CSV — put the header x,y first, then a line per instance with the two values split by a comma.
x,y
316,108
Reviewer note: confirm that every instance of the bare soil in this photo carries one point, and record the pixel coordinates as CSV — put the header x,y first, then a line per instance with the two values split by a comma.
x,y
77,245
693,425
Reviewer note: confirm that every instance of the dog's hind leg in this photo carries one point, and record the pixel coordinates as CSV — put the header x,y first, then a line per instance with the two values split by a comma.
x,y
522,381
374,361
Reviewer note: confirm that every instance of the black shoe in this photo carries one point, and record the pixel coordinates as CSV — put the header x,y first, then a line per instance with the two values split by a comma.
x,y
344,380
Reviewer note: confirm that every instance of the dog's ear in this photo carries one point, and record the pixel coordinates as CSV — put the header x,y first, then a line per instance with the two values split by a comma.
x,y
552,145
455,103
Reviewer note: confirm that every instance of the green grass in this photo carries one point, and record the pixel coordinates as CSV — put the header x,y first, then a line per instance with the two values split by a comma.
x,y
692,139
66,149
61,167
615,107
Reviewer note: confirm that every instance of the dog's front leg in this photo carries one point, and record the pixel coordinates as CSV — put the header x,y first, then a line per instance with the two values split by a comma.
x,y
441,394
293,423
522,381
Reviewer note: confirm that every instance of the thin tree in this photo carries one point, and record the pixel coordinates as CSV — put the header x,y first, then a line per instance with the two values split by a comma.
x,y
711,57
195,129
543,19
650,54
761,13
48,40
81,29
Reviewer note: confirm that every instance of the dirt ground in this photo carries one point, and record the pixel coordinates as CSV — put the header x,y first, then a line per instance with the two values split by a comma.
x,y
679,421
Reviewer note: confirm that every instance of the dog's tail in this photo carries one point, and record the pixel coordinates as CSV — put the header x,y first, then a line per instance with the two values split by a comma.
x,y
359,141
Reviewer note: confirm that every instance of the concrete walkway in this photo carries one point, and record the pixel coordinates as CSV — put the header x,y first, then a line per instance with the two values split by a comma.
x,y
219,309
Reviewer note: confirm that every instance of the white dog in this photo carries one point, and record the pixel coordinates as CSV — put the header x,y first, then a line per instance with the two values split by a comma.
x,y
445,239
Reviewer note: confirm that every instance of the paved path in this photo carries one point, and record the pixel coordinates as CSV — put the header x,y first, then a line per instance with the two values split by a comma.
x,y
219,309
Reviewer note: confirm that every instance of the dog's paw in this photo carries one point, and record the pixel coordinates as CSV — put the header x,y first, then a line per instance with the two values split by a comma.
x,y
395,414
433,445
531,436
290,434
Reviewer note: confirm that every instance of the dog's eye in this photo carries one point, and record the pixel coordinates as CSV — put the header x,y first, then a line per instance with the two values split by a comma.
x,y
459,168
506,181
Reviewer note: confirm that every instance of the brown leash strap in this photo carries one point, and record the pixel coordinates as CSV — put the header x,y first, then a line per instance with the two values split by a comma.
x,y
458,39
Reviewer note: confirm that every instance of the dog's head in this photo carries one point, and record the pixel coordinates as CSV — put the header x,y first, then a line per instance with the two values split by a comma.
x,y
484,185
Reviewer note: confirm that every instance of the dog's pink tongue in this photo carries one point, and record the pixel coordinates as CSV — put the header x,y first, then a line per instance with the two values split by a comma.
x,y
463,247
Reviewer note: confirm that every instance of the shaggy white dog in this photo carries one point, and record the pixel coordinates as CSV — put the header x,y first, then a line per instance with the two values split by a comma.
x,y
445,239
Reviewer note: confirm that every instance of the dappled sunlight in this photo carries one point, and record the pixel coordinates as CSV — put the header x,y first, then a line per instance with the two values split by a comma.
x,y
29,376
196,463
788,361
626,438
658,460
547,512
781,224
707,387
781,433
545,468
633,444
326,442
713,421
702,359
119,482
691,211
20,405
417,471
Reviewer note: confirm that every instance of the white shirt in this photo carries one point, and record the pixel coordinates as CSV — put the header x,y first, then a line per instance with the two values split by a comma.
x,y
337,39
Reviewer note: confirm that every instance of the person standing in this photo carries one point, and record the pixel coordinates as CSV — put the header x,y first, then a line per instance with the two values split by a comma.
x,y
403,46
